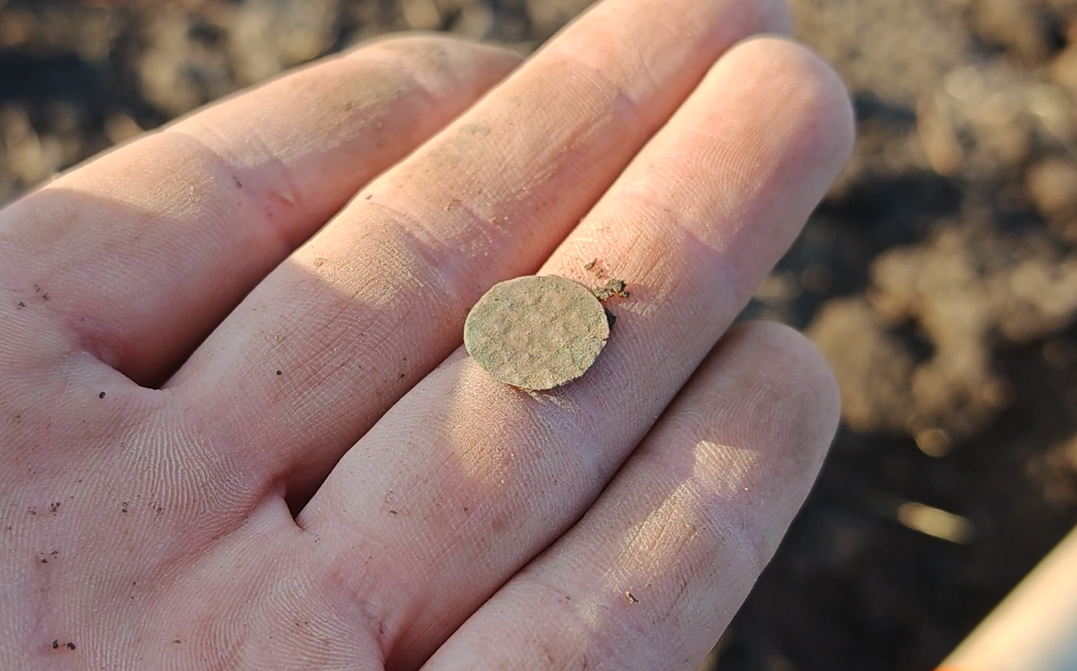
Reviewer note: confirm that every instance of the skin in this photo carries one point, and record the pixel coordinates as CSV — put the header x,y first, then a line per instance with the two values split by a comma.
x,y
237,425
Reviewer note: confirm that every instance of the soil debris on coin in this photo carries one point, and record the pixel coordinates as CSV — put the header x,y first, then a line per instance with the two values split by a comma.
x,y
536,333
610,289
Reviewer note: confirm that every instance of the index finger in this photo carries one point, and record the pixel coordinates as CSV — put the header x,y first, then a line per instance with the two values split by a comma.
x,y
137,255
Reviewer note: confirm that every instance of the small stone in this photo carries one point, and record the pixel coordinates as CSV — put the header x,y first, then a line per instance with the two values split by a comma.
x,y
536,333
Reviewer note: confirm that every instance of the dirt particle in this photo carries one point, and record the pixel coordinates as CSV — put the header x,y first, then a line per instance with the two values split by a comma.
x,y
280,372
101,395
239,184
53,507
631,597
44,560
612,287
476,129
596,268
123,507
21,305
70,645
55,644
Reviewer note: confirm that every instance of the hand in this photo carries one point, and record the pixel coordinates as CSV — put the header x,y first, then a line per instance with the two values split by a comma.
x,y
237,436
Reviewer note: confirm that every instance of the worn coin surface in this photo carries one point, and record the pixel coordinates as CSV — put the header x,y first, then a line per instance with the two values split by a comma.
x,y
536,332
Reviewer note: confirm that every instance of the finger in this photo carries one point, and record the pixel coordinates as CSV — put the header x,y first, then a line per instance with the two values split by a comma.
x,y
651,576
465,479
378,299
139,254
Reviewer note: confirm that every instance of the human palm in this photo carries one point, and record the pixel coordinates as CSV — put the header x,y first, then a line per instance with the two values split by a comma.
x,y
237,428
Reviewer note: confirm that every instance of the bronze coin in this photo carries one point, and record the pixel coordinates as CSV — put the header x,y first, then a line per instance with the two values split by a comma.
x,y
536,332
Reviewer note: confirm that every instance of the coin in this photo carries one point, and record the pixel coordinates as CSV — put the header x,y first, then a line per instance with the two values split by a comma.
x,y
536,333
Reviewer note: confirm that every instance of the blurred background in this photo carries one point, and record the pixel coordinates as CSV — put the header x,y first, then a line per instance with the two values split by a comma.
x,y
939,276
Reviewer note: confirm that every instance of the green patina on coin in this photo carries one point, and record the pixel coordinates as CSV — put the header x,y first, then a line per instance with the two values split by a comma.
x,y
536,332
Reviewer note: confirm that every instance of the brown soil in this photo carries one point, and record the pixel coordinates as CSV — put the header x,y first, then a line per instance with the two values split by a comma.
x,y
939,276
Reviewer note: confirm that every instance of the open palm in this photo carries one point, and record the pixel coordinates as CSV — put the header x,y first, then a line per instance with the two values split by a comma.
x,y
237,427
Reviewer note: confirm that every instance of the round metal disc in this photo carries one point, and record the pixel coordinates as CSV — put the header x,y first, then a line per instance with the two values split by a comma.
x,y
536,332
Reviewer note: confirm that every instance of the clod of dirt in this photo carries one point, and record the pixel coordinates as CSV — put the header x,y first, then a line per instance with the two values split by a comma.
x,y
872,365
984,122
961,293
1052,187
536,333
1022,27
610,289
1063,69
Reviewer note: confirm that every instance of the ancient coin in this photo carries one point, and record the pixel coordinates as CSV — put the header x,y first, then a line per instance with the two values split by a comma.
x,y
536,332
